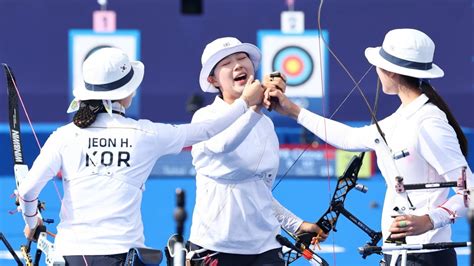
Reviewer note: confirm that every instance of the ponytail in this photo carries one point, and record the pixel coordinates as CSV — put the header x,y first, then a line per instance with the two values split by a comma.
x,y
436,99
87,113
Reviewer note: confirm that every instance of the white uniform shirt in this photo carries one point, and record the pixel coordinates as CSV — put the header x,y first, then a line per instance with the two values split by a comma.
x,y
104,168
422,129
235,211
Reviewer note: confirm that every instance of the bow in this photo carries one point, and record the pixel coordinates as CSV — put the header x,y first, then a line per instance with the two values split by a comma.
x,y
348,180
20,171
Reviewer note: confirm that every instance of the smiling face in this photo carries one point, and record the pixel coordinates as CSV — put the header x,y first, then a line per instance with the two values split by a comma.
x,y
231,75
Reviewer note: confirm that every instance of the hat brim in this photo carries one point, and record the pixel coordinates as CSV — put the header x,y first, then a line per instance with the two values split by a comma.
x,y
250,49
84,94
373,56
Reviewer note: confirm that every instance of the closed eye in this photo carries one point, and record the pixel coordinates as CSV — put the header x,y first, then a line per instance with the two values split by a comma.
x,y
225,63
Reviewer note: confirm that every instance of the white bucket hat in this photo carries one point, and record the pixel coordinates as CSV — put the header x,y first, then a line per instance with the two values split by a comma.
x,y
218,50
407,52
109,75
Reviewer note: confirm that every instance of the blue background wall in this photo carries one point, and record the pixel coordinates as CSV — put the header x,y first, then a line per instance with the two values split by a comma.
x,y
35,43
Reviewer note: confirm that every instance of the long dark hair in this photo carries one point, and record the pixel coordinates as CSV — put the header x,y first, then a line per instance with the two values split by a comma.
x,y
87,113
436,99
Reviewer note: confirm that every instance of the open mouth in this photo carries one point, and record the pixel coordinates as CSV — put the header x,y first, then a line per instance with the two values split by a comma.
x,y
241,77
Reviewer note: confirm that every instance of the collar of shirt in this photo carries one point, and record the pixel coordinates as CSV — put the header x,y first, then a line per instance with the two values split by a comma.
x,y
220,103
411,108
116,106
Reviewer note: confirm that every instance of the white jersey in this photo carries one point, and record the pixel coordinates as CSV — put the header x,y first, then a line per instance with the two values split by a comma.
x,y
235,211
104,168
420,130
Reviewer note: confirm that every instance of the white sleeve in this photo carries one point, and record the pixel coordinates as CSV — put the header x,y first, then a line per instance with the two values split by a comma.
x,y
454,206
197,132
45,167
170,138
229,139
439,146
287,219
336,134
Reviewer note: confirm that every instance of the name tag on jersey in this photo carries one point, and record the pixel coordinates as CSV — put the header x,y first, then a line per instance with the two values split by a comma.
x,y
108,152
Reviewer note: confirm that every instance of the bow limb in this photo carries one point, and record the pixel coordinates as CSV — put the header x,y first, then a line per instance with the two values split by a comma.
x,y
20,168
14,92
21,171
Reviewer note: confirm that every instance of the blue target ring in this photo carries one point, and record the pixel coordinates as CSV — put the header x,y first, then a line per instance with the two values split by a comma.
x,y
295,62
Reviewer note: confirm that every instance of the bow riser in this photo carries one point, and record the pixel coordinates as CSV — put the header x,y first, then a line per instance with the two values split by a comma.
x,y
52,258
345,183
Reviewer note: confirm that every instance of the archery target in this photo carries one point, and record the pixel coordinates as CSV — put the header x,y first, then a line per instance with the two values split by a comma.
x,y
298,57
82,43
296,63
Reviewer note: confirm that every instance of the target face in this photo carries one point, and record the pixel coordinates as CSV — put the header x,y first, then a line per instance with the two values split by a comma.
x,y
296,63
299,57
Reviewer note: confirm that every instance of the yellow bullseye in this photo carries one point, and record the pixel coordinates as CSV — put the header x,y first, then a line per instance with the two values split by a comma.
x,y
293,66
